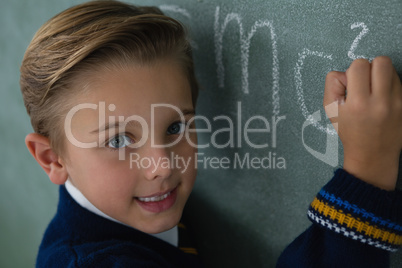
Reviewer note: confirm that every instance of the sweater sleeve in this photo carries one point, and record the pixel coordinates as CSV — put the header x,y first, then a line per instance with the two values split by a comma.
x,y
354,225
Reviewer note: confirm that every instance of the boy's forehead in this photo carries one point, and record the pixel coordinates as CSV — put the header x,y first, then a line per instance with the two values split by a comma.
x,y
136,89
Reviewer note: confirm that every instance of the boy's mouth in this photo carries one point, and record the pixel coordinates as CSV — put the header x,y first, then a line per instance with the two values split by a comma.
x,y
159,202
154,198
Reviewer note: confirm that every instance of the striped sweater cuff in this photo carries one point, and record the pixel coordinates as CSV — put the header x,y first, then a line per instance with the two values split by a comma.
x,y
360,211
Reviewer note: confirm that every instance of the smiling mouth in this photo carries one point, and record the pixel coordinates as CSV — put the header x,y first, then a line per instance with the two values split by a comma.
x,y
154,198
159,202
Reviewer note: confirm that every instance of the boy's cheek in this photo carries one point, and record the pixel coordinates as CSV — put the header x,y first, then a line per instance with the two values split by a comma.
x,y
191,139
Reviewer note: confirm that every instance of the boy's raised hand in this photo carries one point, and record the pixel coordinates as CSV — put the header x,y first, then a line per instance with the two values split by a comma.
x,y
369,122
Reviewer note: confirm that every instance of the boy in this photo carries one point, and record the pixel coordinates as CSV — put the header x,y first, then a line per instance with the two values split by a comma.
x,y
107,83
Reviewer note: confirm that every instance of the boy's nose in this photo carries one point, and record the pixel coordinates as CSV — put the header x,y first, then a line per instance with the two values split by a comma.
x,y
157,164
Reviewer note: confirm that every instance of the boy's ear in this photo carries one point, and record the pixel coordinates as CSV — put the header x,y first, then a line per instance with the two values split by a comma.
x,y
39,147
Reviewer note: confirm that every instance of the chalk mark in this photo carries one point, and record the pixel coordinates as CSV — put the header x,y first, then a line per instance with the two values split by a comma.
x,y
245,52
182,11
300,92
176,9
364,31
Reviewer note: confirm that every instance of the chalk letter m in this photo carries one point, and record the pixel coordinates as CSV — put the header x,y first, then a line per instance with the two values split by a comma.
x,y
244,53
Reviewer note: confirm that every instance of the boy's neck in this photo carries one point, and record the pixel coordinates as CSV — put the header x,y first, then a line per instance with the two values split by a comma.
x,y
170,236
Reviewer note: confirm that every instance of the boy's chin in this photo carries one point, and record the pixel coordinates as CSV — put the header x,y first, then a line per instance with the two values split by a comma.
x,y
160,225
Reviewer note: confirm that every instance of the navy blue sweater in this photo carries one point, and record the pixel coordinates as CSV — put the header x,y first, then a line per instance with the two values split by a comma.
x,y
77,237
354,225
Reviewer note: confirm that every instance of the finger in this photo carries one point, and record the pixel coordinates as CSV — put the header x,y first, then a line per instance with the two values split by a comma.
x,y
382,77
335,93
358,79
397,85
335,87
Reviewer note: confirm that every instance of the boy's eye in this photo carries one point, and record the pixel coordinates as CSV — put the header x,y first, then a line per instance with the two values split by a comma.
x,y
176,128
119,141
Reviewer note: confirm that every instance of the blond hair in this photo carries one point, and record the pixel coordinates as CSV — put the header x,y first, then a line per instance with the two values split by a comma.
x,y
85,37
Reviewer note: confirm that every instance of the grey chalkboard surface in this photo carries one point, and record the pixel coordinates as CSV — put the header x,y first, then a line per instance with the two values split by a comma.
x,y
260,58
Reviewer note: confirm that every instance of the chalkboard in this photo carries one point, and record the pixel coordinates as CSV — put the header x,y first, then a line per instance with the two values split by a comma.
x,y
256,58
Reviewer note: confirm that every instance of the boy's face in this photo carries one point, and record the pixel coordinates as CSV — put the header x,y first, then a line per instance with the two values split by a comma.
x,y
149,188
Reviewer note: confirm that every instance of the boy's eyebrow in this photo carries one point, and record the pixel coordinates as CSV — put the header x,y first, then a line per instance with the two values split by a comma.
x,y
132,123
116,124
188,111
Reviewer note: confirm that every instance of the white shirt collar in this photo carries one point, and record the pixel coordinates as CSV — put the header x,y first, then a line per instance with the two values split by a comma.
x,y
169,236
